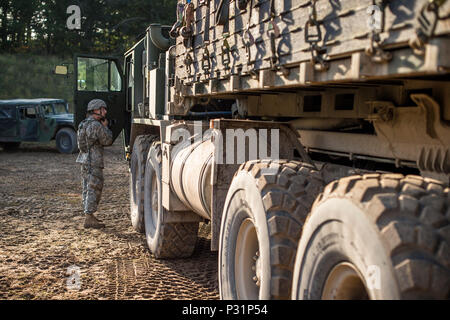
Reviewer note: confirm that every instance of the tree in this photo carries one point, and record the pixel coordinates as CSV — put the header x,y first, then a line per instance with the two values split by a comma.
x,y
4,7
108,26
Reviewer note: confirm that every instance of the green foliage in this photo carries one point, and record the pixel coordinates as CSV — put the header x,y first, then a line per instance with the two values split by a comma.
x,y
29,77
34,39
108,26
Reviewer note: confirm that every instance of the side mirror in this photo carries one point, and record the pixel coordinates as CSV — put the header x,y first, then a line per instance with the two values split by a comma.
x,y
62,70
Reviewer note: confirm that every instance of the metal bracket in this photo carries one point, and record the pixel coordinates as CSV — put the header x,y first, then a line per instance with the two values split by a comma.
x,y
426,25
381,111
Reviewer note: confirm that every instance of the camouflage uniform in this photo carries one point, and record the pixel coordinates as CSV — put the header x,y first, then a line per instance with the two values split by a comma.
x,y
92,137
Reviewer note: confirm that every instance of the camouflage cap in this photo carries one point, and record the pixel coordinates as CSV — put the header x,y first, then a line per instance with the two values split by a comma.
x,y
96,104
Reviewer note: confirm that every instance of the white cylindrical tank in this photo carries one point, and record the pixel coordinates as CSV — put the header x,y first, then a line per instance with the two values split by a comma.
x,y
191,176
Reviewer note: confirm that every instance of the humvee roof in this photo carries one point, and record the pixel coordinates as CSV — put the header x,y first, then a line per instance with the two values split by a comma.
x,y
28,101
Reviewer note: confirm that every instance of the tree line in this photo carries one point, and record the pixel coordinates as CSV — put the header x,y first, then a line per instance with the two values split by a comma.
x,y
107,26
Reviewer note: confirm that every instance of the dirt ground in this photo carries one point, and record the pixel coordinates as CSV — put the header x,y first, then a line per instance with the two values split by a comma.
x,y
42,237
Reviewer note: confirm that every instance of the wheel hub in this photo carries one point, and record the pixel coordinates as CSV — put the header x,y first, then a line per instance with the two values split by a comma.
x,y
344,282
257,269
65,141
247,262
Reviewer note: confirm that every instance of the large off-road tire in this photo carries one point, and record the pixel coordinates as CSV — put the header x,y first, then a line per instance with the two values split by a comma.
x,y
266,206
66,140
165,240
376,237
10,146
137,171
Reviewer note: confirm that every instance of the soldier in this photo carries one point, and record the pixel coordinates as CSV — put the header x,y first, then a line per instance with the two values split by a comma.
x,y
93,135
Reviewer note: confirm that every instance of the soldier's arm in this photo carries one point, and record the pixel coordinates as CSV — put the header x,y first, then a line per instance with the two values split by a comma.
x,y
104,135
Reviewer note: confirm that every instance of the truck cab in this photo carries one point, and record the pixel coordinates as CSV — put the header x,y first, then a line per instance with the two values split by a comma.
x,y
133,86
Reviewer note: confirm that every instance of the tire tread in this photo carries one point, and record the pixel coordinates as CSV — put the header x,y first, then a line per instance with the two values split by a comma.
x,y
142,146
287,196
176,240
410,213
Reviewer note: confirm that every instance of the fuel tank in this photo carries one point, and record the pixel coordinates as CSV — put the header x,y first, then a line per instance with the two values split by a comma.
x,y
191,176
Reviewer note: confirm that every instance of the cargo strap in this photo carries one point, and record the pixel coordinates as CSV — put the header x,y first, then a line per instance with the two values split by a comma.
x,y
247,37
313,35
222,13
426,25
242,4
375,48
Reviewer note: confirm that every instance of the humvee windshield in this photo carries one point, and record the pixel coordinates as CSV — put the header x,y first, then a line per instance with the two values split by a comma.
x,y
56,108
47,109
60,108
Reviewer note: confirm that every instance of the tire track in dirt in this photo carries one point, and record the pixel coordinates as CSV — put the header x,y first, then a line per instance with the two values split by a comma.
x,y
42,236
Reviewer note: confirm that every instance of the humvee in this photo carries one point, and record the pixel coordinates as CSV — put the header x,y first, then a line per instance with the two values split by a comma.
x,y
37,120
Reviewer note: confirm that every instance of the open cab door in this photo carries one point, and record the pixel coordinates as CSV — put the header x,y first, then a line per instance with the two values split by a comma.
x,y
100,78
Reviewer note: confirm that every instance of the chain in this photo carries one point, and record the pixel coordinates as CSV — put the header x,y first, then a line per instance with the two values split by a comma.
x,y
273,32
187,30
175,31
188,61
206,64
184,25
375,48
247,37
206,57
226,59
426,25
313,35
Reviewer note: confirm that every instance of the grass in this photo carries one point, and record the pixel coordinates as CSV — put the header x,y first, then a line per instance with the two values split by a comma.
x,y
25,76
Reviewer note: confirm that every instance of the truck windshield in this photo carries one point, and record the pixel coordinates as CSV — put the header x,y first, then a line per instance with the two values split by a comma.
x,y
92,74
60,108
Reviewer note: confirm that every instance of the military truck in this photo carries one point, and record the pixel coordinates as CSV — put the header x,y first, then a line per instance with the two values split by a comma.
x,y
37,120
312,137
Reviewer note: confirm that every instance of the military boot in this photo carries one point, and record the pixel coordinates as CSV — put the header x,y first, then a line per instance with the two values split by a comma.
x,y
92,222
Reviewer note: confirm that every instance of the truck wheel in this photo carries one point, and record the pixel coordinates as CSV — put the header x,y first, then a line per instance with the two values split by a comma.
x,y
66,141
165,240
266,206
376,237
137,171
9,146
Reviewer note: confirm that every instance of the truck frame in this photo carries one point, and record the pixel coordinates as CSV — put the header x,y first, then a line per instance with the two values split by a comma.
x,y
316,145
